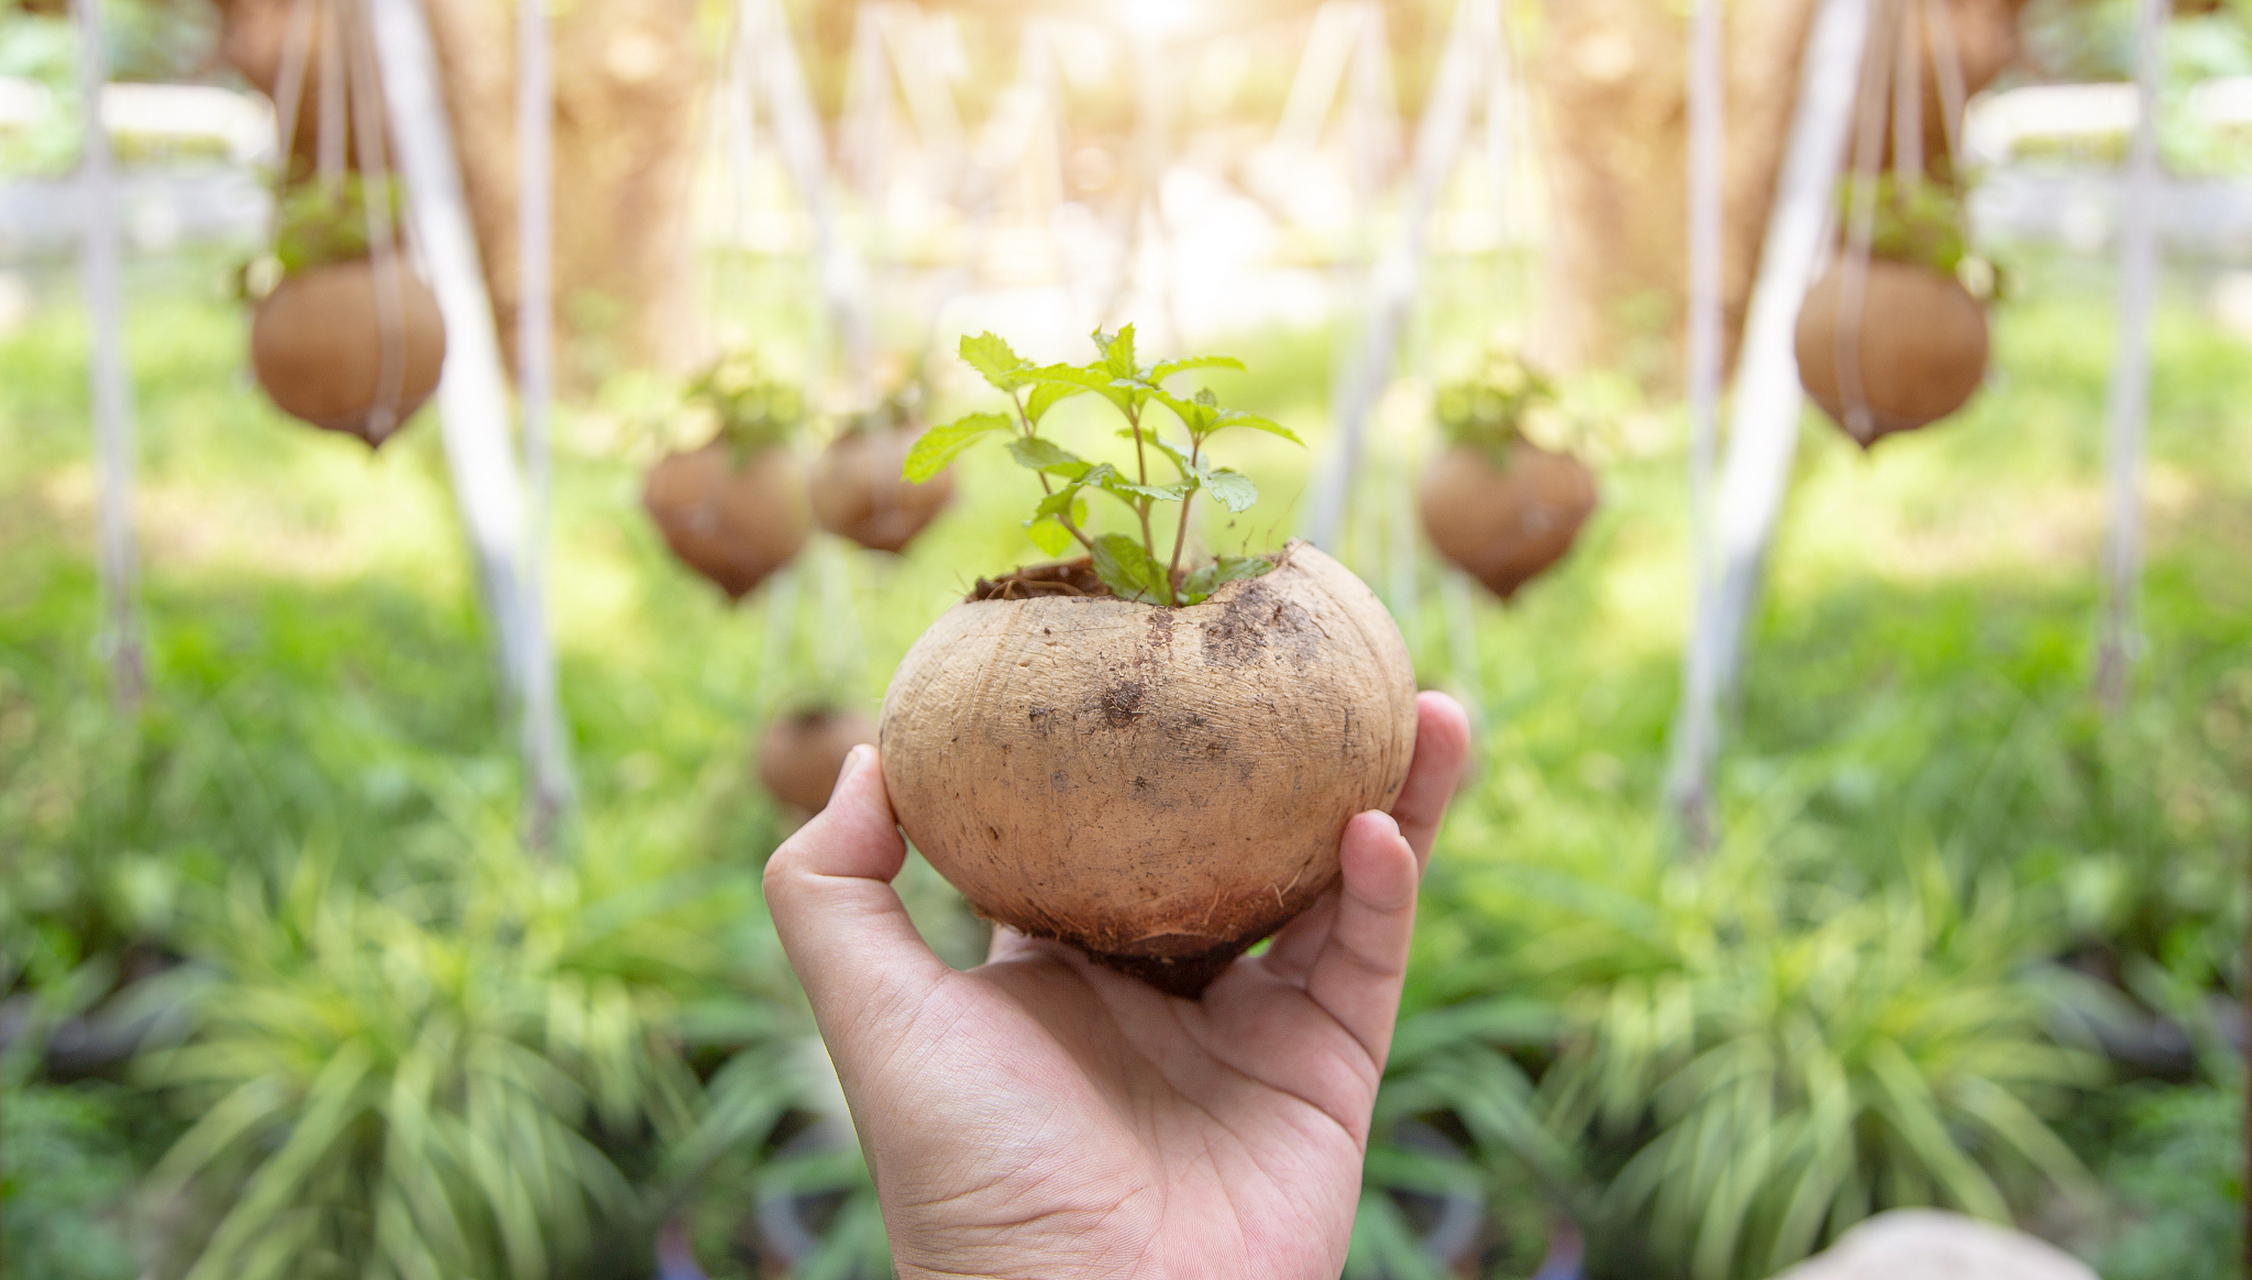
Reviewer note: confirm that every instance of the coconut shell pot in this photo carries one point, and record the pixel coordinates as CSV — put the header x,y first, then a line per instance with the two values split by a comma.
x,y
801,753
858,493
1505,522
732,516
1921,347
318,344
1160,788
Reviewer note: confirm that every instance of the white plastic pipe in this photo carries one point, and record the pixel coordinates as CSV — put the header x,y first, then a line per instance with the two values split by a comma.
x,y
117,559
1707,190
473,404
1764,419
545,754
2127,408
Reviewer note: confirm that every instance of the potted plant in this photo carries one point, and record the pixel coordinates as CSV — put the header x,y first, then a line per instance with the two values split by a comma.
x,y
733,509
1895,341
339,342
856,486
802,751
1496,504
1143,752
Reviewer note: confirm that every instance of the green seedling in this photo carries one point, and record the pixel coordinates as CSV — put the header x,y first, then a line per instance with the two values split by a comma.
x,y
1487,411
754,410
326,221
1129,566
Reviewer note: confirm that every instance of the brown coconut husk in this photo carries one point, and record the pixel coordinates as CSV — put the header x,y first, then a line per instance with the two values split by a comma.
x,y
732,517
317,344
1504,523
1160,788
858,492
800,754
1922,344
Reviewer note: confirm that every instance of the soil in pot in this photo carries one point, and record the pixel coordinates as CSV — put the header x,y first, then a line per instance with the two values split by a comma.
x,y
733,516
858,492
1503,522
1159,787
801,753
319,346
1920,342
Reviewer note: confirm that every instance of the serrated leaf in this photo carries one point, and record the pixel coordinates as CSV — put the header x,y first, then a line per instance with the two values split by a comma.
x,y
1257,422
942,443
1197,416
1045,455
1118,351
1127,569
1164,369
1055,504
1233,489
1164,446
1203,582
1049,535
1115,483
994,361
1045,394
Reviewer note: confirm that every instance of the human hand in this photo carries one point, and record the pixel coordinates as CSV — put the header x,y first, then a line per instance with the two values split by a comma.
x,y
1042,1117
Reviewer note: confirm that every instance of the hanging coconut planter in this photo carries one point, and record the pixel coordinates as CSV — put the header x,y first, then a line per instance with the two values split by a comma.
x,y
801,753
856,486
1151,762
1498,506
734,510
1893,341
348,340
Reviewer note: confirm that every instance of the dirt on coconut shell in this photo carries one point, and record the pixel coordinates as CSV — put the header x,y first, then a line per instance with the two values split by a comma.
x,y
1160,788
317,344
800,754
1504,523
1922,347
733,519
858,492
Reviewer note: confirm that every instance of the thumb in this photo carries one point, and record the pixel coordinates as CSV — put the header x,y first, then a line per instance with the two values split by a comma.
x,y
829,891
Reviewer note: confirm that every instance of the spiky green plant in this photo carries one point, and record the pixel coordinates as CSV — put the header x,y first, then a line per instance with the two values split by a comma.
x,y
1780,1075
753,409
1487,409
408,1089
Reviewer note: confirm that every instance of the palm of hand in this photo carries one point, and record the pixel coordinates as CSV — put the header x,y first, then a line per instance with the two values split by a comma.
x,y
1061,1112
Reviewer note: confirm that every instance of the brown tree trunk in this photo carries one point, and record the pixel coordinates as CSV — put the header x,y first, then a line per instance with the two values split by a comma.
x,y
1614,76
630,79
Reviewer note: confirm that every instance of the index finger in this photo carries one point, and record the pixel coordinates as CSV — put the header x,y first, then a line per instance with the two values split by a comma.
x,y
1442,746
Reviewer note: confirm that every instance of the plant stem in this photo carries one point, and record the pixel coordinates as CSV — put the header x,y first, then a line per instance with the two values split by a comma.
x,y
1181,534
1141,459
1062,517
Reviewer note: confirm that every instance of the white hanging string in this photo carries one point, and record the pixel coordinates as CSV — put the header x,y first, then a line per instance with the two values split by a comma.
x,y
1853,269
289,87
1908,103
383,246
2128,405
330,142
1947,71
1707,194
112,390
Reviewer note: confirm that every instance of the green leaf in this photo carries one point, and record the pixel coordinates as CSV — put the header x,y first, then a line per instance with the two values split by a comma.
x,y
1198,415
1127,569
941,444
1164,446
1049,535
1164,369
1045,394
1118,351
1232,489
1257,422
1046,455
994,361
1120,486
1203,582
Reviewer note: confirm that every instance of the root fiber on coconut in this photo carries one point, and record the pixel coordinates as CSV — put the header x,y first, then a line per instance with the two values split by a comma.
x,y
1151,758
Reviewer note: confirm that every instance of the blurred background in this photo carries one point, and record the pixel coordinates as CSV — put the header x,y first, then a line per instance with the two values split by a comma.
x,y
326,949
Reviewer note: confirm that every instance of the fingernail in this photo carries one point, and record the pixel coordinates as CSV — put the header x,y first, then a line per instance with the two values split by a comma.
x,y
853,760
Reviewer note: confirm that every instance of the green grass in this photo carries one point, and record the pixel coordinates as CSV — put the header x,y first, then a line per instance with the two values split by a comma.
x,y
1919,795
